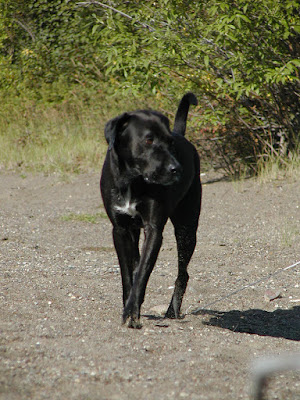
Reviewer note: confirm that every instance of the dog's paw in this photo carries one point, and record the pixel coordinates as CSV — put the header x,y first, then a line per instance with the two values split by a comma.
x,y
134,316
173,313
170,313
135,324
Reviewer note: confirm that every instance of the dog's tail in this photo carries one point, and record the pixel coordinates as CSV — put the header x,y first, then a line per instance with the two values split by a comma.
x,y
182,113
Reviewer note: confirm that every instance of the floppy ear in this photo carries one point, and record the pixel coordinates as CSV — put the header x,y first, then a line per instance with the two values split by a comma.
x,y
113,127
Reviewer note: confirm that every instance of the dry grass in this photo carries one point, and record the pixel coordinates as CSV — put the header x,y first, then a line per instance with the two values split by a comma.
x,y
66,137
276,168
51,139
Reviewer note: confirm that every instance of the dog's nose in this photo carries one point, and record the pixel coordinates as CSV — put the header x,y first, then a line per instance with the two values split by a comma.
x,y
174,169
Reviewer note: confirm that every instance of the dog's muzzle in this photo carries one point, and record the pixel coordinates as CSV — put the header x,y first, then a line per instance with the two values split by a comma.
x,y
168,176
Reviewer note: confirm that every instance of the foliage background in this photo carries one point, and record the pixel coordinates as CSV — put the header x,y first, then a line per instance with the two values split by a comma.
x,y
68,66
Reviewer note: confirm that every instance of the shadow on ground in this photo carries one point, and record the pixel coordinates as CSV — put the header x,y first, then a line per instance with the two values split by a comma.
x,y
279,323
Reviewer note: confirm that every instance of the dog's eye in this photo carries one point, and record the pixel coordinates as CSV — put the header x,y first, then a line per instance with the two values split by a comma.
x,y
149,141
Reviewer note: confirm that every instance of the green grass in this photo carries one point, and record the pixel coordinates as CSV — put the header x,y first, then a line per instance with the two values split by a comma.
x,y
89,218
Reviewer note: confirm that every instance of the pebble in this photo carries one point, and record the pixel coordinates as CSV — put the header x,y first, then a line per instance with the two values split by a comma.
x,y
271,295
159,309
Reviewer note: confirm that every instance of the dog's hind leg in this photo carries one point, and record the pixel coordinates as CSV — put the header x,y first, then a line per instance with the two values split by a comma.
x,y
185,221
186,242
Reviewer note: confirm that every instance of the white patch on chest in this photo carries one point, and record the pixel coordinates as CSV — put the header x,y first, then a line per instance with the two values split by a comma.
x,y
127,205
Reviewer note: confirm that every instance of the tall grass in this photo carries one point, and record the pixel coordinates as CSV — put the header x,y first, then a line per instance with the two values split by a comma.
x,y
48,137
274,167
51,142
55,129
60,129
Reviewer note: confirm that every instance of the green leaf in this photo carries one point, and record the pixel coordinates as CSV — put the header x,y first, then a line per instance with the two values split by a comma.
x,y
206,61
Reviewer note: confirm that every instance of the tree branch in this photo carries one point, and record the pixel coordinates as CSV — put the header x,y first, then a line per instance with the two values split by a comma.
x,y
25,28
97,3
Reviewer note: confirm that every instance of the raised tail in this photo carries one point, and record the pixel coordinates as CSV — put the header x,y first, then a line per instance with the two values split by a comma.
x,y
182,113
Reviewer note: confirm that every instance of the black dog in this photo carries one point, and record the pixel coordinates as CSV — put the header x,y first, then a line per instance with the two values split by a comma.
x,y
150,175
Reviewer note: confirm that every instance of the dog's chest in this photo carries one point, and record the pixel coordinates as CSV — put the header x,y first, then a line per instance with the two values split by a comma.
x,y
126,204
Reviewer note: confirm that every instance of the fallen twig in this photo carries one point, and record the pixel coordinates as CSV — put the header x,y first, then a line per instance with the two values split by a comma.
x,y
200,309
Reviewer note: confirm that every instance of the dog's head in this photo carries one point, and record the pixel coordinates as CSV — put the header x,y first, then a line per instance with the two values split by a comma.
x,y
144,145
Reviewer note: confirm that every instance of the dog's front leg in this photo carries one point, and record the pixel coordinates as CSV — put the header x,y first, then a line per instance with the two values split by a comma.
x,y
126,245
150,250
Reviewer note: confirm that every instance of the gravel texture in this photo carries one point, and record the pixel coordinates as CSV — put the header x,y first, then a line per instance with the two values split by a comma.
x,y
60,296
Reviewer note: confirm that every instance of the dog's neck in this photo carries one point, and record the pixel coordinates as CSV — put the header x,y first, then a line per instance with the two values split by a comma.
x,y
122,176
130,183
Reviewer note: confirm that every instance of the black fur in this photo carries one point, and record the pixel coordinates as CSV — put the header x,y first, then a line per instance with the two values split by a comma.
x,y
149,175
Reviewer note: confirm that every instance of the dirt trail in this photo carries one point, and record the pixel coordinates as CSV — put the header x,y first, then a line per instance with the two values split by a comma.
x,y
60,296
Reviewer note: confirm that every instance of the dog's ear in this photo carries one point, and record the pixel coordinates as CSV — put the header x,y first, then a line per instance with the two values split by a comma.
x,y
114,127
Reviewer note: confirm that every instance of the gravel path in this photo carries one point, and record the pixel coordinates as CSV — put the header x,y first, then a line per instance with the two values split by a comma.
x,y
60,296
